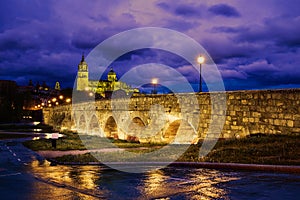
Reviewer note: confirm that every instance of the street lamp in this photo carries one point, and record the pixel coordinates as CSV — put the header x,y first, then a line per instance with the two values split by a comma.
x,y
200,60
154,83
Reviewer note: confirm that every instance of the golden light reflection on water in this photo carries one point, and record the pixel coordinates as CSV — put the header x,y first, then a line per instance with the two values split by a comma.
x,y
65,182
46,191
82,182
153,183
201,185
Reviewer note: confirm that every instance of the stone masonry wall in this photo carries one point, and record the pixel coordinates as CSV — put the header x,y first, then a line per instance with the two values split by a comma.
x,y
266,112
247,112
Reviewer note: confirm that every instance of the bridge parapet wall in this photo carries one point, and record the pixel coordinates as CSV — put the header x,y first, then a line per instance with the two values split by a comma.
x,y
247,112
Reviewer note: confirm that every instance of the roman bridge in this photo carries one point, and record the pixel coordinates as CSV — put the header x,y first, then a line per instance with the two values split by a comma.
x,y
144,118
183,118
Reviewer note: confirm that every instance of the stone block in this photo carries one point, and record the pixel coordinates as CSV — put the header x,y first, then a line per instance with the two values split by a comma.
x,y
290,123
256,114
236,127
245,120
297,123
279,104
277,122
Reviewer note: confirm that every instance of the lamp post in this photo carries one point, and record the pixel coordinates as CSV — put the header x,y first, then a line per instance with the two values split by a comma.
x,y
200,60
154,82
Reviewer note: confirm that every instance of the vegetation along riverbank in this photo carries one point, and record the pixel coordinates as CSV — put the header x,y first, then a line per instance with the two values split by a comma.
x,y
255,149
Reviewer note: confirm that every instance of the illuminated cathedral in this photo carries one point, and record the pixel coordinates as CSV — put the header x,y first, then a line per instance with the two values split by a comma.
x,y
100,87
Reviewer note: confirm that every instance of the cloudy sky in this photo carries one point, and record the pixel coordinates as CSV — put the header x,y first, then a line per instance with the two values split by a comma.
x,y
255,44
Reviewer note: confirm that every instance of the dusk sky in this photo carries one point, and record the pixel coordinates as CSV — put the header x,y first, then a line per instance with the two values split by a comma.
x,y
255,44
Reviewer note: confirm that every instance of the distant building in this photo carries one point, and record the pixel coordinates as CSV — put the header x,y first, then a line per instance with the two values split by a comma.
x,y
8,88
100,87
34,95
24,103
8,101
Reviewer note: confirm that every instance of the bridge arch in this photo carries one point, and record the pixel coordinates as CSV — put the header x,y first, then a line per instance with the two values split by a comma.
x,y
111,128
180,131
73,122
94,127
171,131
82,127
138,121
135,128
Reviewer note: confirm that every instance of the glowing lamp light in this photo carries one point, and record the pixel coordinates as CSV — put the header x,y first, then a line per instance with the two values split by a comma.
x,y
68,100
200,59
36,123
54,100
61,97
154,81
56,103
90,94
43,104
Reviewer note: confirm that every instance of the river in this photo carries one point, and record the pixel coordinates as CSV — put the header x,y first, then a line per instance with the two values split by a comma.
x,y
26,175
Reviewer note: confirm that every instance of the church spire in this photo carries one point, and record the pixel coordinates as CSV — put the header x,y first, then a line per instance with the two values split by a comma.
x,y
82,58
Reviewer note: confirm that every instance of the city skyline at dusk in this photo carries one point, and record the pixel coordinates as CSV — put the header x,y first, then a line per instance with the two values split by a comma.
x,y
255,45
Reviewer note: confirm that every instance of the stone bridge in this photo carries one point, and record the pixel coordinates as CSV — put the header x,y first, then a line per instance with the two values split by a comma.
x,y
183,118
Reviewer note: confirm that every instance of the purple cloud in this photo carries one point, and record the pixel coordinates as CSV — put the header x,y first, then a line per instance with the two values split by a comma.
x,y
45,40
224,10
183,10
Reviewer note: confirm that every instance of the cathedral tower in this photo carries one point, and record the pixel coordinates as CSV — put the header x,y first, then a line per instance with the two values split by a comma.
x,y
82,75
112,76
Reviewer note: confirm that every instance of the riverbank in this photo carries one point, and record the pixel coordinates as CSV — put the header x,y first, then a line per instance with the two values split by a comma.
x,y
259,149
5,136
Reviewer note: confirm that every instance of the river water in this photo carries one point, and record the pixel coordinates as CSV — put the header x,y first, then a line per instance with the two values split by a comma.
x,y
26,175
92,182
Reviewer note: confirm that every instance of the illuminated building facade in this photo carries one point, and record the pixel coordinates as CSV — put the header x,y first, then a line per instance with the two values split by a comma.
x,y
101,87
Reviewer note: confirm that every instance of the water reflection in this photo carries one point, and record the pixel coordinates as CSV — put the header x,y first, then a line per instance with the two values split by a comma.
x,y
90,182
76,181
97,182
192,184
46,191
